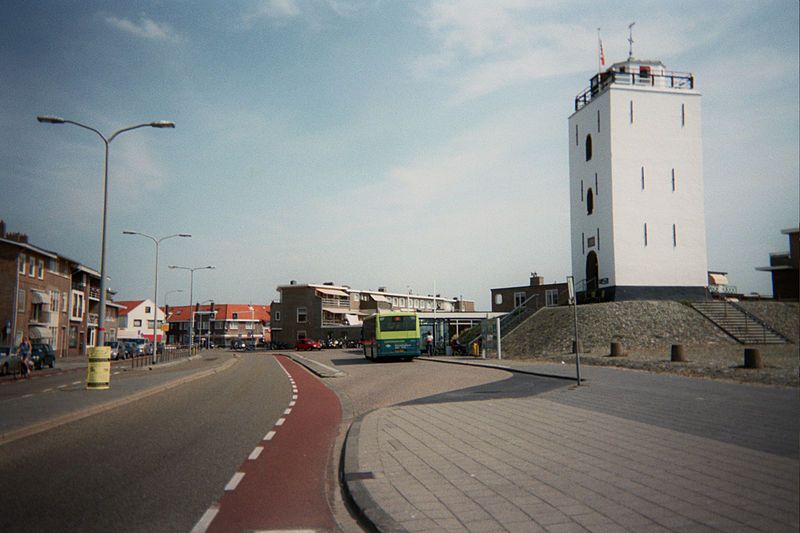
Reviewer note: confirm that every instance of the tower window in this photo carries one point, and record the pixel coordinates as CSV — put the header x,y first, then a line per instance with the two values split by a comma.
x,y
583,243
589,202
598,121
588,147
598,238
645,233
576,135
683,115
674,236
631,111
581,190
595,183
642,178
673,180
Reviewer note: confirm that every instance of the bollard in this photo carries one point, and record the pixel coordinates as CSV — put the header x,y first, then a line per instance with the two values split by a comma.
x,y
579,347
616,350
98,373
752,358
678,353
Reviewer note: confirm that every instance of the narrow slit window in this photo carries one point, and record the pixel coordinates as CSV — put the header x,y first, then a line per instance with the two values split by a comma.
x,y
598,238
598,121
674,236
631,111
595,184
645,233
642,178
576,135
589,202
588,147
683,115
581,191
673,180
583,243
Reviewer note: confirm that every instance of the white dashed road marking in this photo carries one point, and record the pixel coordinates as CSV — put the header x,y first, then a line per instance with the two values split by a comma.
x,y
287,412
234,482
202,525
269,435
280,421
256,452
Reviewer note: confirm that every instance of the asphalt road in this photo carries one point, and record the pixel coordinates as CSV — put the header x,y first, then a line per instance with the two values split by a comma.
x,y
152,465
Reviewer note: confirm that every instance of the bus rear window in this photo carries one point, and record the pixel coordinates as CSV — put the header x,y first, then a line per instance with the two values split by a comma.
x,y
398,323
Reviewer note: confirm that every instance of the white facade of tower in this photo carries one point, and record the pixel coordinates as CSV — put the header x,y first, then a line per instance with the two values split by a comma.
x,y
636,193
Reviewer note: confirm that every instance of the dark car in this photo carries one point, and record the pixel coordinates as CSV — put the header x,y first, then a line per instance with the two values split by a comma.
x,y
307,344
238,344
43,354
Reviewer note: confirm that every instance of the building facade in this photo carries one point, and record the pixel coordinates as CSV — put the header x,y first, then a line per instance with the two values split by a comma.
x,y
327,311
636,185
536,294
136,320
48,298
785,268
219,323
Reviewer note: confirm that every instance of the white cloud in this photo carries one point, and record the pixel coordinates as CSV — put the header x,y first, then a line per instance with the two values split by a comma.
x,y
146,28
272,9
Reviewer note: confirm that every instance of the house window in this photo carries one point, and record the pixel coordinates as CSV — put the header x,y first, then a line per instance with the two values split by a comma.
x,y
78,301
551,297
235,316
40,268
64,302
519,298
73,336
590,242
276,316
302,315
147,309
21,301
137,323
588,147
149,324
301,334
498,299
55,297
22,263
248,325
52,265
31,267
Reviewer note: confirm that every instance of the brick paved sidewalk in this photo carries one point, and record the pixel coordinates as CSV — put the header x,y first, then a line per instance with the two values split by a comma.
x,y
533,464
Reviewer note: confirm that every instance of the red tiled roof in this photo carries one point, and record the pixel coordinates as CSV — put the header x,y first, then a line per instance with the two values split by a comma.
x,y
128,305
180,313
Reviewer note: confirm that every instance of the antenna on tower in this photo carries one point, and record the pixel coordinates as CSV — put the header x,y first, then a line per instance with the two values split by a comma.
x,y
630,40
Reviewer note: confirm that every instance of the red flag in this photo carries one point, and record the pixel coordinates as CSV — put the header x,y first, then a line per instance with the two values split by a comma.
x,y
602,55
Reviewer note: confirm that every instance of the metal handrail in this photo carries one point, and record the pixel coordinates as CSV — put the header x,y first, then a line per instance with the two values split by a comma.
x,y
599,82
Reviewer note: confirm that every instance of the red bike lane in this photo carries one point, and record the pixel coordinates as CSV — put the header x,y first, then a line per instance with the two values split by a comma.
x,y
284,482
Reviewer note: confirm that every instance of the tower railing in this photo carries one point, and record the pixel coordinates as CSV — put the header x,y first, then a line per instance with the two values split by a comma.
x,y
646,78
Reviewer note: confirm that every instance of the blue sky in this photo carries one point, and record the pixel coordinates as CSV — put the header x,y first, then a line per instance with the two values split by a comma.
x,y
366,142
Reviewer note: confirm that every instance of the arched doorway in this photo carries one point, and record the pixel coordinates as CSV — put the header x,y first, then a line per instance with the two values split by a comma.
x,y
592,272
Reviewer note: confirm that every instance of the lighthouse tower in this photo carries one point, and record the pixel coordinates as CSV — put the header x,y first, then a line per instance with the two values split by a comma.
x,y
636,186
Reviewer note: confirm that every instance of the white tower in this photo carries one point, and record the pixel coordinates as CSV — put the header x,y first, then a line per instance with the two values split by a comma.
x,y
636,185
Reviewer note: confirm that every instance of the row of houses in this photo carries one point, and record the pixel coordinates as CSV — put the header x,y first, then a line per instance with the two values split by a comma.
x,y
49,298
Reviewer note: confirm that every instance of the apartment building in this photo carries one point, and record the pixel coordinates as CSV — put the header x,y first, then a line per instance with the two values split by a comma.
x,y
537,294
327,311
219,323
48,298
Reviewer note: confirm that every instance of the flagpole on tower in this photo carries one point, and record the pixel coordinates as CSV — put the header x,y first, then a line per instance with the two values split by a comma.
x,y
630,40
601,59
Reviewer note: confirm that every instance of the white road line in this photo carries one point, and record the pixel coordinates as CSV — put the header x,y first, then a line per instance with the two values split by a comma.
x,y
294,397
287,412
256,452
269,435
61,386
48,390
292,403
27,396
76,383
234,482
280,421
202,525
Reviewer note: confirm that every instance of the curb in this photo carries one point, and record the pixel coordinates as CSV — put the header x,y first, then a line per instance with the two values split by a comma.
x,y
502,367
45,425
369,512
323,371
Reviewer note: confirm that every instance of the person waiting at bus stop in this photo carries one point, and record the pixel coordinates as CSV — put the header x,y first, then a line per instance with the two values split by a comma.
x,y
429,343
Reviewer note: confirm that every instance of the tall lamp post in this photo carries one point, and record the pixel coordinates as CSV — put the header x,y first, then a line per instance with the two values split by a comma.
x,y
157,241
191,287
204,302
106,140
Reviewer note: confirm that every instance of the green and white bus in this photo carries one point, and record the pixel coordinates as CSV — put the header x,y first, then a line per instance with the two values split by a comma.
x,y
391,335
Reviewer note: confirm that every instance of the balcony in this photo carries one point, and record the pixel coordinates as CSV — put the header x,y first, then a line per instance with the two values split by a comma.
x,y
665,80
343,303
94,293
93,319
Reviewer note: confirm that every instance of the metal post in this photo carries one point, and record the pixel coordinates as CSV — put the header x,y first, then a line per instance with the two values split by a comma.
x,y
191,310
577,344
155,311
101,316
499,348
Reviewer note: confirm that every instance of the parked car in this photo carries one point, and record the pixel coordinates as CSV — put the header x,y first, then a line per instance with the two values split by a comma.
x,y
307,344
118,350
43,354
9,363
238,344
133,349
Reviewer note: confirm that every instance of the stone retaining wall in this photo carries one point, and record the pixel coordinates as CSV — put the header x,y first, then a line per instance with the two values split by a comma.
x,y
645,324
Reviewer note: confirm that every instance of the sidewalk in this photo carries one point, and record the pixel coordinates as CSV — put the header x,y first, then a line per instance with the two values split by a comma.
x,y
626,451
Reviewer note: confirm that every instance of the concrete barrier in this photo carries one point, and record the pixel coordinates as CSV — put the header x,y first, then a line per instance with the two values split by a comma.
x,y
678,353
752,358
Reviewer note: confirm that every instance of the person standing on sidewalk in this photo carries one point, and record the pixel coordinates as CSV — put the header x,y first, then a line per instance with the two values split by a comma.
x,y
24,352
429,343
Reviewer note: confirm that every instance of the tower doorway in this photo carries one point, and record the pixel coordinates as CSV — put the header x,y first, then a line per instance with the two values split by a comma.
x,y
592,272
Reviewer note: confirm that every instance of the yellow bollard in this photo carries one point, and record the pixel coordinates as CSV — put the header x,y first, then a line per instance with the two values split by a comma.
x,y
99,369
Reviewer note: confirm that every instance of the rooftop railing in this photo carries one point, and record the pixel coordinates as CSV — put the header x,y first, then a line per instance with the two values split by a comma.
x,y
601,81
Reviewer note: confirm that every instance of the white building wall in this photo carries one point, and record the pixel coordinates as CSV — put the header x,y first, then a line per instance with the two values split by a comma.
x,y
130,331
665,134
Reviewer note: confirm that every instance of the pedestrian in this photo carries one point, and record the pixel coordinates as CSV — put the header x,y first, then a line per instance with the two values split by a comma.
x,y
24,353
429,343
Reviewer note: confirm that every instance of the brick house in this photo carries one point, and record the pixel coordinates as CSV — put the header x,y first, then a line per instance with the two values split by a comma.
x,y
538,293
785,268
221,323
136,320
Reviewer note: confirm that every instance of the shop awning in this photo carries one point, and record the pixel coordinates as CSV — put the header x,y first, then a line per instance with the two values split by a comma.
x,y
38,332
39,297
379,298
149,336
333,292
353,320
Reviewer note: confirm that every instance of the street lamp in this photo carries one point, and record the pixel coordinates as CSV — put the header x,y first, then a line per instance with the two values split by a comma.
x,y
157,241
58,120
191,287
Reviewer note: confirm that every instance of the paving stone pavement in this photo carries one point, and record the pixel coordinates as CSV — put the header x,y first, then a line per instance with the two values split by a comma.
x,y
536,464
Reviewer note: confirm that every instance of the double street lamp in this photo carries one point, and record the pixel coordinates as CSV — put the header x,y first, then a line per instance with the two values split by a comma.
x,y
157,241
106,140
191,287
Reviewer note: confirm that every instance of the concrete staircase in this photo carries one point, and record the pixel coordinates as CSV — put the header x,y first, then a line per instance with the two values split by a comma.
x,y
737,323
